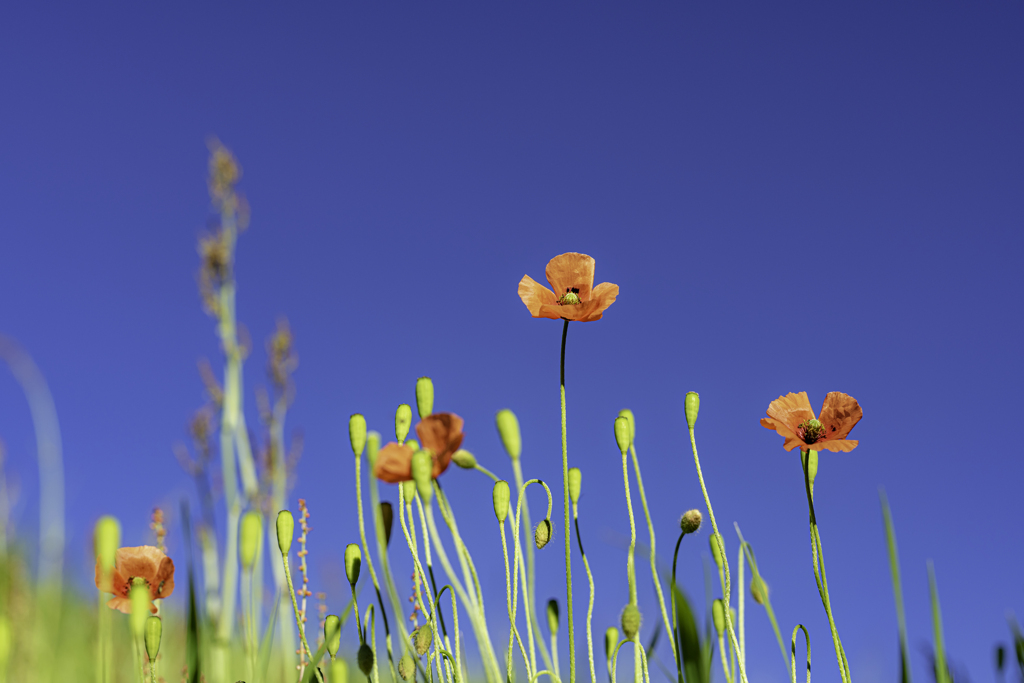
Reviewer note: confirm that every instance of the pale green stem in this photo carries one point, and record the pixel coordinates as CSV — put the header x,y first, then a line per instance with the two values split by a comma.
x,y
568,530
513,633
807,637
631,557
455,616
279,501
521,499
528,576
941,670
432,616
725,657
590,604
767,603
741,595
373,642
382,555
298,615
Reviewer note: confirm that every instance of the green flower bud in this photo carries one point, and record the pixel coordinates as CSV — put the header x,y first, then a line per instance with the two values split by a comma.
x,y
611,640
500,496
622,434
464,459
140,603
759,590
508,430
408,491
422,638
718,616
357,433
339,671
424,396
154,629
542,534
365,659
575,482
249,538
403,420
106,540
332,634
413,444
353,561
406,667
716,550
692,407
285,531
628,414
387,517
690,522
372,447
422,474
630,621
553,617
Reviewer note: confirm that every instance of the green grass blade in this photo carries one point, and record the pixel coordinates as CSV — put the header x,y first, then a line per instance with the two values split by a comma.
x,y
192,657
267,643
897,586
941,671
696,662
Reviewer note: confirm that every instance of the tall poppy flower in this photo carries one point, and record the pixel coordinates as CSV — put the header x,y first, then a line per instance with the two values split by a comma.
x,y
440,433
131,565
792,417
575,297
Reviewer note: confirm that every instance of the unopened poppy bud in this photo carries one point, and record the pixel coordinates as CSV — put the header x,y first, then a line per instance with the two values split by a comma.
x,y
628,414
690,521
716,550
332,634
422,471
413,444
630,621
575,482
339,671
357,433
403,420
387,518
464,459
500,496
718,616
353,561
408,491
106,540
372,447
365,659
424,396
249,537
139,597
285,531
759,590
508,430
406,667
692,408
154,629
553,616
611,640
622,434
542,534
421,639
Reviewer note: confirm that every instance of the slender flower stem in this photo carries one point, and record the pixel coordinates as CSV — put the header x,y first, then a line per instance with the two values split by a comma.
x,y
528,576
766,600
568,530
590,605
521,499
631,561
513,634
675,616
741,609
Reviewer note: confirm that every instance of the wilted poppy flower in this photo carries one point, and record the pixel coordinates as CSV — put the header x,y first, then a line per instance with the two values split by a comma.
x,y
440,433
575,297
132,565
792,417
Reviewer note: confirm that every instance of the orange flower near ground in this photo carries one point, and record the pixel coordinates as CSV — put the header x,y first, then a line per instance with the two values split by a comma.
x,y
792,417
144,563
575,297
440,433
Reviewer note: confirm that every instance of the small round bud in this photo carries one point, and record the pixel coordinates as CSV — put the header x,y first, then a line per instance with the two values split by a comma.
x,y
339,671
353,562
332,634
628,414
365,659
154,629
387,518
553,616
690,522
138,595
422,474
500,496
372,447
611,640
542,534
249,537
408,489
692,407
718,616
508,430
575,482
403,420
464,459
413,444
630,621
406,667
421,639
716,550
759,590
357,433
424,396
285,531
622,434
106,541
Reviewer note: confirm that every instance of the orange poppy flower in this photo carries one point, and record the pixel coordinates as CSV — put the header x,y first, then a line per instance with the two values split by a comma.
x,y
440,433
144,563
792,417
575,297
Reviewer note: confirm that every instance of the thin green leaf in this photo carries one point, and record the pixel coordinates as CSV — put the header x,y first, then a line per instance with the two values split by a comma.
x,y
897,586
941,670
267,643
695,654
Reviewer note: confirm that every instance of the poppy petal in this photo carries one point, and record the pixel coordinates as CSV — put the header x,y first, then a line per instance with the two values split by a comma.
x,y
394,463
535,295
791,410
566,271
837,445
780,427
839,414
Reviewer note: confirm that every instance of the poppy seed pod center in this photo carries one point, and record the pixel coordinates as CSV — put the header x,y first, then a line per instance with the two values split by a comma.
x,y
571,297
811,431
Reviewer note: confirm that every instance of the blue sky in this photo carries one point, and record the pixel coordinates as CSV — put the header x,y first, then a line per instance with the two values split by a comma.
x,y
790,198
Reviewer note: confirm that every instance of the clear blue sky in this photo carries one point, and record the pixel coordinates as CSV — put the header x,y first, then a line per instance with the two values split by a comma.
x,y
790,198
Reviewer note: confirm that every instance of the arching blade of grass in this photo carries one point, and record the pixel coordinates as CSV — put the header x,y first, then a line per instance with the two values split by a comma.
x,y
696,653
897,586
267,644
941,670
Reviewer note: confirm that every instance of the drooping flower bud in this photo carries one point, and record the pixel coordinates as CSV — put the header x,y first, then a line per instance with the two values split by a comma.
x,y
249,537
630,621
353,562
138,595
622,434
542,534
692,408
718,616
553,617
421,639
285,531
424,396
611,640
403,420
154,629
464,459
365,659
508,430
759,590
339,671
422,474
372,447
716,550
332,634
357,433
628,414
106,541
575,482
500,495
690,522
406,667
387,518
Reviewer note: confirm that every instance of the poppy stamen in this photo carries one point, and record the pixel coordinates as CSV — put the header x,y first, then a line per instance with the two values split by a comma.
x,y
810,431
571,297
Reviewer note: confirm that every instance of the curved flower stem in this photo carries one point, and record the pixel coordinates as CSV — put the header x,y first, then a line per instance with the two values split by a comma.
x,y
631,560
521,498
528,577
568,530
298,615
513,634
807,637
590,605
615,660
721,548
430,562
432,616
457,664
382,555
675,617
